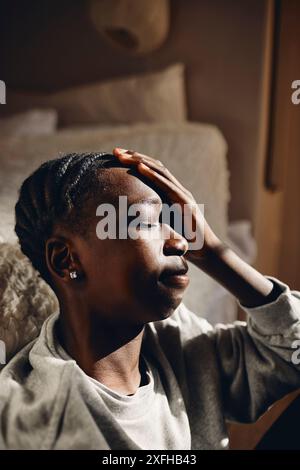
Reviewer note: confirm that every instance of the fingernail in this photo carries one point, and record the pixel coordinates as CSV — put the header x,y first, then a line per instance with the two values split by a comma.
x,y
143,167
121,150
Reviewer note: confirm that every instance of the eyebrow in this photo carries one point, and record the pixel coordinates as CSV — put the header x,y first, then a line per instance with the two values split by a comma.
x,y
149,200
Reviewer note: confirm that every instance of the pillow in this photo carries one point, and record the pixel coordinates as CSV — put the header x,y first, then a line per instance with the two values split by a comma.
x,y
25,299
196,153
152,97
34,122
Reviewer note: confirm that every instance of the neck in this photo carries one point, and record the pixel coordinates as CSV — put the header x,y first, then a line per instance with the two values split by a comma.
x,y
108,353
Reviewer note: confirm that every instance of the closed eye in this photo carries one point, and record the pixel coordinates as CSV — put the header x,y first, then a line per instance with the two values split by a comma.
x,y
147,225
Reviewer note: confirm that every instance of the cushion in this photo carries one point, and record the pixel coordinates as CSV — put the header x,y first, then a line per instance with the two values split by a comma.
x,y
153,97
33,122
25,299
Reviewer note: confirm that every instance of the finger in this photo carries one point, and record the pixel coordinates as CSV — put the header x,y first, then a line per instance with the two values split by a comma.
x,y
142,156
136,157
160,168
171,190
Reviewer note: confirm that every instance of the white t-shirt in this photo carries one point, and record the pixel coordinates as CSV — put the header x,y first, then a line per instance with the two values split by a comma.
x,y
145,416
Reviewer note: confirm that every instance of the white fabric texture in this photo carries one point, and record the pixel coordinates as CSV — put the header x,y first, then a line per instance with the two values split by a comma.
x,y
137,413
25,299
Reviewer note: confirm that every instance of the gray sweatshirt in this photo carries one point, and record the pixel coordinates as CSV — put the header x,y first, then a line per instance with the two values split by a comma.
x,y
198,376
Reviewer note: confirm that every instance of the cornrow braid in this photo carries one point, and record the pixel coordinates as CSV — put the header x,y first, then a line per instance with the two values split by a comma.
x,y
56,193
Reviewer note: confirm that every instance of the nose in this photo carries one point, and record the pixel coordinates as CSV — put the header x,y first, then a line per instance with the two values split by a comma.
x,y
174,244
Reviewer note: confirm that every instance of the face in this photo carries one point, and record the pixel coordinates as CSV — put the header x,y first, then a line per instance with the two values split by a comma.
x,y
132,280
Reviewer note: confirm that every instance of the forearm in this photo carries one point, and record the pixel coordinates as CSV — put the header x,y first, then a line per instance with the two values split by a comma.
x,y
249,286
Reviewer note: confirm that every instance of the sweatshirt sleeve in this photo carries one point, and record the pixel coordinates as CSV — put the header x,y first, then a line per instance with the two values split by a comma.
x,y
259,360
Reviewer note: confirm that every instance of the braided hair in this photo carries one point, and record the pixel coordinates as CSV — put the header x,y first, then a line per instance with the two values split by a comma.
x,y
57,193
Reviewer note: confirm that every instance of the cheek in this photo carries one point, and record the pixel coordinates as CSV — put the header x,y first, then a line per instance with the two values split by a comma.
x,y
145,257
140,268
122,266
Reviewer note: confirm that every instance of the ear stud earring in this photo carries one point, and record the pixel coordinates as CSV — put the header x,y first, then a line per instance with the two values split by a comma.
x,y
73,274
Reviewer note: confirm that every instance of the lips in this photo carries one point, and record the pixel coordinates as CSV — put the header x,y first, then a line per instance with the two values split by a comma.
x,y
175,276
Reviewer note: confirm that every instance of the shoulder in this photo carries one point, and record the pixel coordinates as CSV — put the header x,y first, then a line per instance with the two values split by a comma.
x,y
183,324
31,384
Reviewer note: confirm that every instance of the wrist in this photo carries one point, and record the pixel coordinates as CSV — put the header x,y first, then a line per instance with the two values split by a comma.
x,y
211,250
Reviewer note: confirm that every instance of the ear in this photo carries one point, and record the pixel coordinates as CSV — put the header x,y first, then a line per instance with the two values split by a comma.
x,y
60,258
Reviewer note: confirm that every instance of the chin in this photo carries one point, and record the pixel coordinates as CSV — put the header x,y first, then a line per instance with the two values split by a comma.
x,y
165,309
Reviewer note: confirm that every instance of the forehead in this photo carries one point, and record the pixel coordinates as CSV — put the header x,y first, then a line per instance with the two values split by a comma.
x,y
125,182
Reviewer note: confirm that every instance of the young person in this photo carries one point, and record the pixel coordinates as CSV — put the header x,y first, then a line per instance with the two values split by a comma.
x,y
124,364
